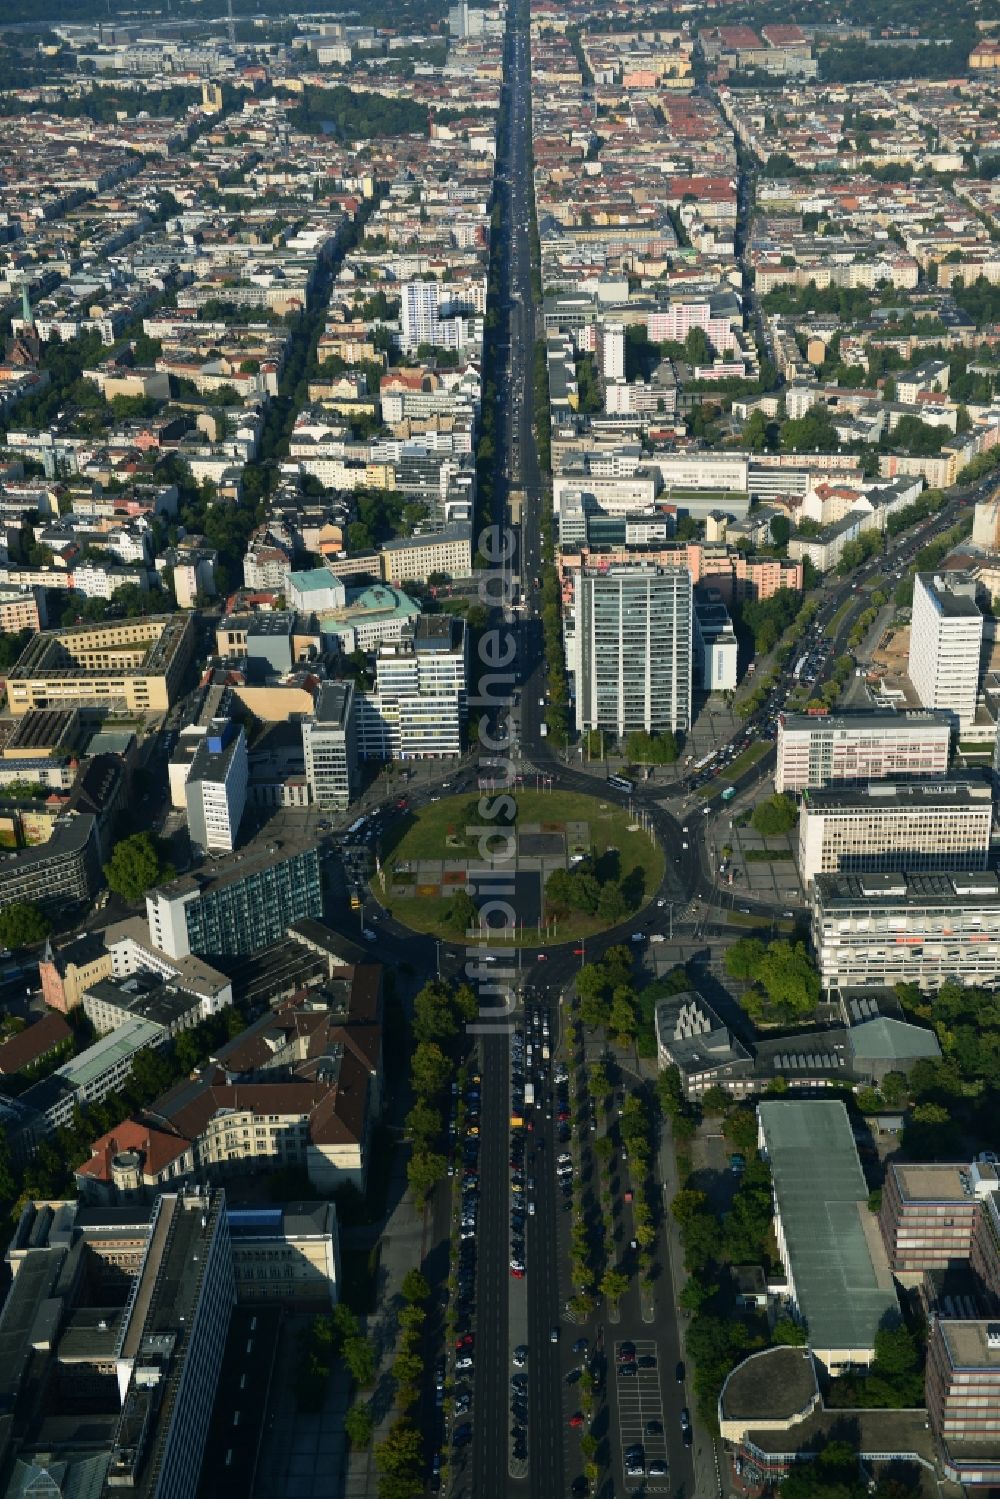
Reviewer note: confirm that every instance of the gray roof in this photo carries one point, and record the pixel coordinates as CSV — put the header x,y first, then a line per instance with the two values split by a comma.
x,y
842,1281
885,1039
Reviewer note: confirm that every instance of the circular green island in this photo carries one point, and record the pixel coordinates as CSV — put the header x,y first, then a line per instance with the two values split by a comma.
x,y
567,865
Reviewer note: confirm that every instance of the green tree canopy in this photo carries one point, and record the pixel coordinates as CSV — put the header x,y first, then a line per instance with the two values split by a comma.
x,y
136,866
22,924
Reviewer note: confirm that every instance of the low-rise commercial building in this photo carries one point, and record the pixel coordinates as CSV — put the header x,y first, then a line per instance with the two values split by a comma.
x,y
913,825
837,1274
922,929
819,750
415,559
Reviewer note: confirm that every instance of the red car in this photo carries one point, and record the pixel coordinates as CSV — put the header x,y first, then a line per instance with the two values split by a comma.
x,y
402,804
542,958
576,1420
578,952
517,1274
465,1341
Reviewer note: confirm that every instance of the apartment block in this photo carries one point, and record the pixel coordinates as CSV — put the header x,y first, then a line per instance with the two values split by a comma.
x,y
132,664
241,905
917,826
633,649
215,791
329,744
922,929
816,751
946,639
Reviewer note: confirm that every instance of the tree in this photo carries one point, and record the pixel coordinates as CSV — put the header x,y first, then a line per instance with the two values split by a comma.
x,y
687,1204
359,1356
423,1123
742,960
135,866
777,815
622,1017
789,977
22,924
896,1351
433,1013
402,1452
429,1069
614,1284
612,905
415,1287
462,913
790,1333
359,1425
424,1170
740,1129
716,1100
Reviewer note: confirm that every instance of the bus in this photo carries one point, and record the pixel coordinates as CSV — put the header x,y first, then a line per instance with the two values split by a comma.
x,y
621,783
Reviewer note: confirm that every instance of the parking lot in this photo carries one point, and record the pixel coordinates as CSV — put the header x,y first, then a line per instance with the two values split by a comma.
x,y
640,1402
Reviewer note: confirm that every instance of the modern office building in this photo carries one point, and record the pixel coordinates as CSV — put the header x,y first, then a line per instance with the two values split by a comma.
x,y
132,664
835,1264
912,929
418,706
633,648
919,826
963,1397
136,1316
240,905
330,748
215,791
715,647
819,750
946,640
929,1213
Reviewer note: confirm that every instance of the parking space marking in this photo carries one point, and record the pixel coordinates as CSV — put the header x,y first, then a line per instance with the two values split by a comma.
x,y
640,1401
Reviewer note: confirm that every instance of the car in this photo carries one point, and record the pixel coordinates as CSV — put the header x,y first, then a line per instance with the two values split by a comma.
x,y
679,1373
576,1420
627,1369
635,1470
580,1346
462,1435
531,1208
635,1451
685,1419
519,1382
463,1404
517,1271
626,1353
554,1335
647,1361
465,1362
521,1355
654,1428
657,1469
580,1486
542,958
467,1340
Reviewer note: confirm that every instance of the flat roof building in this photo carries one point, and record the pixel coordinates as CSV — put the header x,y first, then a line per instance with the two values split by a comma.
x,y
946,640
906,928
816,751
829,1243
330,747
913,825
133,664
241,904
215,791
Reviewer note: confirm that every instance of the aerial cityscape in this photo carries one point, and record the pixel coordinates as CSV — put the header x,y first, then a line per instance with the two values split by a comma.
x,y
499,749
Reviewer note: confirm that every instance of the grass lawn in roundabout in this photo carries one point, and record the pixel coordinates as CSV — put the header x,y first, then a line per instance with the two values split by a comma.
x,y
434,848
